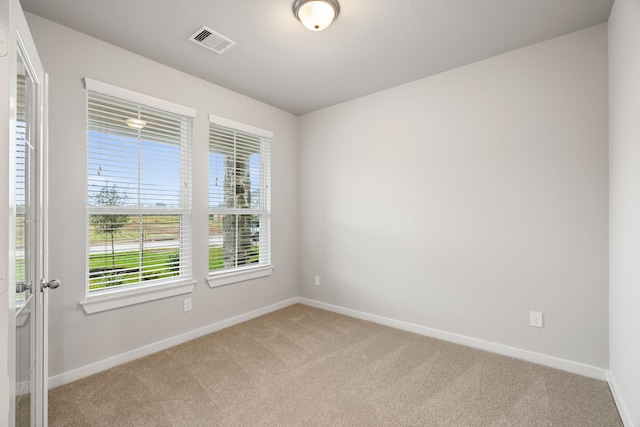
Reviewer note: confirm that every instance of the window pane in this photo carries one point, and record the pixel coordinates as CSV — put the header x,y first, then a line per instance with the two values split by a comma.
x,y
24,150
145,173
141,158
234,241
126,249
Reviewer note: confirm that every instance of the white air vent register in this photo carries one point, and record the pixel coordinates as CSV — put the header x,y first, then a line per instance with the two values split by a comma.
x,y
211,40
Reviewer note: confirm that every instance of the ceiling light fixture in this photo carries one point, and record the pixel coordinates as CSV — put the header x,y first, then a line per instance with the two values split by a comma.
x,y
136,123
316,15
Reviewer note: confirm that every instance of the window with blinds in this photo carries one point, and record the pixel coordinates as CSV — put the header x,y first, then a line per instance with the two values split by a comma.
x,y
239,192
138,189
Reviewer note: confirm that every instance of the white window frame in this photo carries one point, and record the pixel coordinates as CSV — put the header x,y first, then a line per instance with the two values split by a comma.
x,y
224,277
96,301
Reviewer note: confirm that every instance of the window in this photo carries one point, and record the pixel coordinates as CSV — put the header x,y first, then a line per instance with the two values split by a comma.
x,y
138,191
239,205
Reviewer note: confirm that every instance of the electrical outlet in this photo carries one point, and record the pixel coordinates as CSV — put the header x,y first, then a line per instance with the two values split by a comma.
x,y
187,304
316,280
536,319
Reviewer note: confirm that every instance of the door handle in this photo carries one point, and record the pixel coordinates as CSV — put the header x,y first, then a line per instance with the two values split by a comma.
x,y
22,287
52,284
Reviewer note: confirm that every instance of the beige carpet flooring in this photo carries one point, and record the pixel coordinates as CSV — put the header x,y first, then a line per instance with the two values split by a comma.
x,y
301,366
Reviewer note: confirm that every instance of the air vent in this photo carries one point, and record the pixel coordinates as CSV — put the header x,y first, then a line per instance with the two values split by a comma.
x,y
211,40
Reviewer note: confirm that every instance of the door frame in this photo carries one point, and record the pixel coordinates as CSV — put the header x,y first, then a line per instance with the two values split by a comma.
x,y
7,310
13,23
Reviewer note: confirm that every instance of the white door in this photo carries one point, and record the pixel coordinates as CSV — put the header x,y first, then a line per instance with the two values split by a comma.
x,y
28,288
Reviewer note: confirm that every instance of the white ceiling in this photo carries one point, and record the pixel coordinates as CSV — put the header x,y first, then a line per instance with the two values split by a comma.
x,y
372,45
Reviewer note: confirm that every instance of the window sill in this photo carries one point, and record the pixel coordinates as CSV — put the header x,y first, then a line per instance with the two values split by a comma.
x,y
123,298
223,279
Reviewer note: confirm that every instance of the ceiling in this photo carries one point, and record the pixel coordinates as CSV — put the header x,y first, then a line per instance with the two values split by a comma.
x,y
372,45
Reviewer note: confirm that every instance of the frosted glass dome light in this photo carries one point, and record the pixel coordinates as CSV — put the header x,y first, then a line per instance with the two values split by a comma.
x,y
316,15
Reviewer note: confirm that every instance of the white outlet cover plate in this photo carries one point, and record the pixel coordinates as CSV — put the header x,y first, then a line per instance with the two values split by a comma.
x,y
536,319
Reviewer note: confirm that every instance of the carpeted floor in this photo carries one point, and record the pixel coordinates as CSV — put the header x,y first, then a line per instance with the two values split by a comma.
x,y
301,366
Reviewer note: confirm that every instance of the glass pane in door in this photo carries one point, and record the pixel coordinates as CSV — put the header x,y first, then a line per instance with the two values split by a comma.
x,y
25,234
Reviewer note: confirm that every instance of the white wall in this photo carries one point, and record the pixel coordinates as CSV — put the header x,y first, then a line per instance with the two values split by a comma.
x,y
77,339
462,201
624,224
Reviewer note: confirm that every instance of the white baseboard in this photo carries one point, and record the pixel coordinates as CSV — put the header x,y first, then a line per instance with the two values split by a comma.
x,y
541,359
516,353
129,356
622,409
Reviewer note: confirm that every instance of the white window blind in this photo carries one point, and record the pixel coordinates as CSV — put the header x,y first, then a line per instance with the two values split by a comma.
x,y
239,197
138,190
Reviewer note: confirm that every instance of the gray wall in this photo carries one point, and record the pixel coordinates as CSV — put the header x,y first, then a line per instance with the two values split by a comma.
x,y
624,225
77,339
462,201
